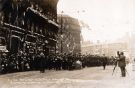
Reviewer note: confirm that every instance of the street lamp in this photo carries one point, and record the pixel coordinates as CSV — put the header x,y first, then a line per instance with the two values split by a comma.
x,y
61,32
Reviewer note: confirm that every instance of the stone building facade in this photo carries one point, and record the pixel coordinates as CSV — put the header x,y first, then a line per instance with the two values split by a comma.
x,y
29,25
69,35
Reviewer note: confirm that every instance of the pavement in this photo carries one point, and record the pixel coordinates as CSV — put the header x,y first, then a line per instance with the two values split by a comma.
x,y
92,77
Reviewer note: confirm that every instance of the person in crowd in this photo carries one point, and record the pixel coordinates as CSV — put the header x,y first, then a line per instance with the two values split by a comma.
x,y
20,60
78,64
104,61
42,62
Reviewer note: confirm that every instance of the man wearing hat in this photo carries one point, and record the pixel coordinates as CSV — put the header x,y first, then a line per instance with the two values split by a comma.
x,y
122,64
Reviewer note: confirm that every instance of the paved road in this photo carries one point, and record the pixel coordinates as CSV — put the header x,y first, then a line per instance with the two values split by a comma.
x,y
94,77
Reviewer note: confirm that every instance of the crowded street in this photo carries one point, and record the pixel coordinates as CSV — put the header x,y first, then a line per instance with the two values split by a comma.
x,y
94,77
67,44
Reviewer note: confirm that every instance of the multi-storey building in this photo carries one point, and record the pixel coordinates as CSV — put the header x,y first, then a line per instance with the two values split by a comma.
x,y
69,39
29,25
109,49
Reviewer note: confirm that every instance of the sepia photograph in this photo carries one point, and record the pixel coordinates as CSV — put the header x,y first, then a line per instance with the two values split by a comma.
x,y
67,43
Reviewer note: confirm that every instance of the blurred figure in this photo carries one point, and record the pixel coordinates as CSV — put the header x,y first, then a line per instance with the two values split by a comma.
x,y
42,62
78,64
104,61
122,64
134,64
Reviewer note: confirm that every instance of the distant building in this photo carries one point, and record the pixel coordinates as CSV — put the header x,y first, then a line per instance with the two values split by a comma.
x,y
109,49
69,35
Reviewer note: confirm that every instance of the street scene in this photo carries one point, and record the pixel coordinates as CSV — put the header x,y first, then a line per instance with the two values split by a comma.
x,y
67,43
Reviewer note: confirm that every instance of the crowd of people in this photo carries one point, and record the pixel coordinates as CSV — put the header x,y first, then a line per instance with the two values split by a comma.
x,y
26,62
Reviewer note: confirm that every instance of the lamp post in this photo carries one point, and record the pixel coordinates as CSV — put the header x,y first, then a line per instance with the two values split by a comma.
x,y
61,32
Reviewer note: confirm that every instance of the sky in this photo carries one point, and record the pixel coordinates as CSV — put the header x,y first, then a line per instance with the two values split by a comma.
x,y
108,20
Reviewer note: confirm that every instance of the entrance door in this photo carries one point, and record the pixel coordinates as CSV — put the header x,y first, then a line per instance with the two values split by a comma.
x,y
14,44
